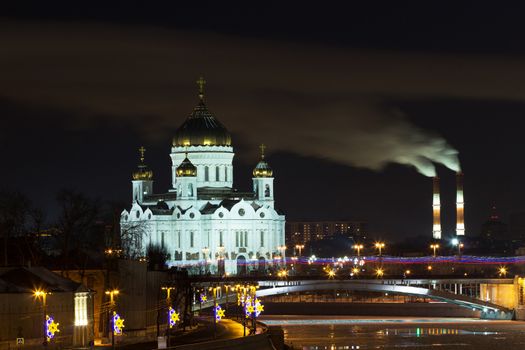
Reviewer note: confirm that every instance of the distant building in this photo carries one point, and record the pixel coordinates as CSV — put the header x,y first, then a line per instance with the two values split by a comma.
x,y
494,229
302,232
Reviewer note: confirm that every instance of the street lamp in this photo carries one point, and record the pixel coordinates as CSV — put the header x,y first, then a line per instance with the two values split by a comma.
x,y
434,247
111,294
168,307
331,273
502,271
39,293
299,247
205,252
380,273
380,246
358,247
282,249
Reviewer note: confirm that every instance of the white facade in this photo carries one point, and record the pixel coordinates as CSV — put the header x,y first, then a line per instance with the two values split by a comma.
x,y
202,221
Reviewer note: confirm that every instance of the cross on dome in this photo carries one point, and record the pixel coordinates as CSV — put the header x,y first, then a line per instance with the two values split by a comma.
x,y
201,82
262,147
142,150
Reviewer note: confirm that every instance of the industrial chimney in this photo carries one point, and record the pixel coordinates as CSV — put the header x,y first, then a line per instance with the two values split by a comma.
x,y
436,210
460,205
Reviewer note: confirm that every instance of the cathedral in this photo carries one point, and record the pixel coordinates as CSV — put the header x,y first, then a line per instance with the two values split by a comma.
x,y
202,222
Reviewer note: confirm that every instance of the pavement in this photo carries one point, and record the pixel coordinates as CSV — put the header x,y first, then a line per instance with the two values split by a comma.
x,y
204,331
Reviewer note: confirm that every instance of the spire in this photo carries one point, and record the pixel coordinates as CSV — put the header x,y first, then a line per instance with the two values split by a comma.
x,y
201,82
262,147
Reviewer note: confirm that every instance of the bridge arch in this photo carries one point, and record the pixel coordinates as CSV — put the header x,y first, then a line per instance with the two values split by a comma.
x,y
489,310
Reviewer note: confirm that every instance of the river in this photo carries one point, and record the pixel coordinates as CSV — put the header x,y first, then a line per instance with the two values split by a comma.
x,y
359,333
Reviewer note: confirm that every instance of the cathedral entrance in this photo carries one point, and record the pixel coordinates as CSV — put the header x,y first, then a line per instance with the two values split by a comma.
x,y
241,265
220,267
261,268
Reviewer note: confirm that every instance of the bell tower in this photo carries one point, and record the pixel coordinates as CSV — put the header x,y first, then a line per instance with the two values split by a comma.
x,y
263,181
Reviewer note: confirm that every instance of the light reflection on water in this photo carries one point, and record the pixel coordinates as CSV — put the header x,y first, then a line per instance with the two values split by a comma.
x,y
405,333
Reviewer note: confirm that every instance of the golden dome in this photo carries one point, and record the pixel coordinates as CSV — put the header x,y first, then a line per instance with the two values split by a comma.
x,y
201,128
262,169
186,168
142,173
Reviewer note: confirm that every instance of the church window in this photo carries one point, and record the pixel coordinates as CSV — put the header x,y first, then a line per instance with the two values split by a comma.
x,y
221,214
191,239
192,215
225,173
149,216
241,212
162,239
190,190
261,214
262,238
237,238
178,215
178,239
267,190
137,214
206,173
217,173
245,238
220,239
126,218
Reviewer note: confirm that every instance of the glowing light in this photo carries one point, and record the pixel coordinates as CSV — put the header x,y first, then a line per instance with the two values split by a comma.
x,y
355,270
502,271
429,267
51,327
203,298
81,318
219,312
118,324
282,273
173,317
380,272
454,241
331,273
407,272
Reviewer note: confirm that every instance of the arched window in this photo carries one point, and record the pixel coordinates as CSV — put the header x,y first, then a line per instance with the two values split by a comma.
x,y
190,190
206,173
267,190
191,239
217,174
262,238
220,239
225,173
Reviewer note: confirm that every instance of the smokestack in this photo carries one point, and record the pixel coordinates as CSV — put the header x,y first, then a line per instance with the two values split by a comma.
x,y
436,210
460,205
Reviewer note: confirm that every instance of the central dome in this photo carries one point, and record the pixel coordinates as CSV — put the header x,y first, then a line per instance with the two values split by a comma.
x,y
201,129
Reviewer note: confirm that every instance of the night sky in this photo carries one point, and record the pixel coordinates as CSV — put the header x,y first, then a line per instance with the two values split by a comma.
x,y
354,103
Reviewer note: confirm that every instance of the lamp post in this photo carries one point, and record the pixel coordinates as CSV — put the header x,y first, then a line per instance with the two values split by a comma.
x,y
39,293
434,247
168,305
111,294
457,242
205,252
358,247
299,247
282,249
379,246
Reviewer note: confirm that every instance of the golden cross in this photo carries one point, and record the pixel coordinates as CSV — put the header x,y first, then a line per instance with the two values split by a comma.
x,y
142,150
262,147
201,82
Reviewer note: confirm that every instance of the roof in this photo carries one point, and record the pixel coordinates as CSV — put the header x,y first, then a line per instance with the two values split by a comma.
x,y
29,279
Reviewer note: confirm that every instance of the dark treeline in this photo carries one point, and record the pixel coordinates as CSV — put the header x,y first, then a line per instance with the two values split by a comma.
x,y
76,239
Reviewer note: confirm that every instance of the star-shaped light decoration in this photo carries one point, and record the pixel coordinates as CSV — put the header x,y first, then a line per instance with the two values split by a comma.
x,y
51,327
258,307
204,298
118,324
173,317
219,312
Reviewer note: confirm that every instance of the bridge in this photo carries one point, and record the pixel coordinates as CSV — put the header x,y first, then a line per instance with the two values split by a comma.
x,y
495,298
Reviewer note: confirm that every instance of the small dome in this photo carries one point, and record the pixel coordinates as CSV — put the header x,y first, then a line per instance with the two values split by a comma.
x,y
201,128
142,172
262,169
186,168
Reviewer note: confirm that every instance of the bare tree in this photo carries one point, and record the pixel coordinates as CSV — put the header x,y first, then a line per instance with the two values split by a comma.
x,y
14,211
76,222
132,235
